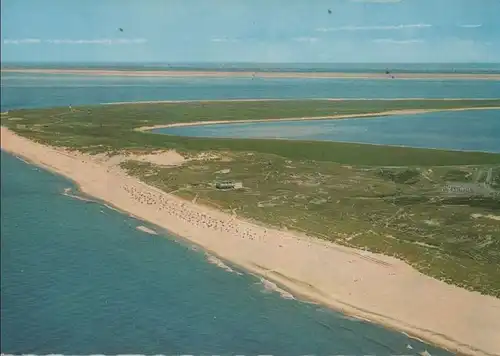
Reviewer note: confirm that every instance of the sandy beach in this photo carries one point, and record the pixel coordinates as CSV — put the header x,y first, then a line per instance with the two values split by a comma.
x,y
256,74
366,285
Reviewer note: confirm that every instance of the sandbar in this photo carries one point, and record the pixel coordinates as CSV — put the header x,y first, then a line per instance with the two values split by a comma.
x,y
255,74
280,99
325,117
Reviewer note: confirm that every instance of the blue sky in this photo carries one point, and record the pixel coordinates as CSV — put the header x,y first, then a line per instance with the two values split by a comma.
x,y
251,30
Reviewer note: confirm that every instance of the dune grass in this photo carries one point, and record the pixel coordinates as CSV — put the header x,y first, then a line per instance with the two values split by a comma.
x,y
108,128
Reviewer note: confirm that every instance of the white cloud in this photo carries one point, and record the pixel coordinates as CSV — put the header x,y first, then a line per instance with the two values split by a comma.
x,y
306,39
471,26
223,39
378,1
393,41
22,41
373,28
99,41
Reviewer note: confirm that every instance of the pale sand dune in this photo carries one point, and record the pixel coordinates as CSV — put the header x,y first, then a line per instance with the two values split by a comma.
x,y
370,286
161,158
256,74
168,158
384,113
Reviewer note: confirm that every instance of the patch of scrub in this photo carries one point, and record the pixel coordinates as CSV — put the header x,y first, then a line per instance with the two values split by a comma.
x,y
266,204
210,156
432,222
224,171
318,201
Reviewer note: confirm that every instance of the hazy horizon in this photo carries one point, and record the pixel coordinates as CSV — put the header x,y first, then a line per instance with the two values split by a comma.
x,y
242,62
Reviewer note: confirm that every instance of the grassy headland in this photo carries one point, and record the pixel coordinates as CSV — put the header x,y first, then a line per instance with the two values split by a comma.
x,y
385,199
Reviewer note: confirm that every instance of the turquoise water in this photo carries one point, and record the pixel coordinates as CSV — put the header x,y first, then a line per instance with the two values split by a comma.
x,y
78,278
28,90
472,68
459,130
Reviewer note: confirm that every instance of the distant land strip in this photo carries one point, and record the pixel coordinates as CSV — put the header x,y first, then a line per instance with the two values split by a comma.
x,y
256,74
293,99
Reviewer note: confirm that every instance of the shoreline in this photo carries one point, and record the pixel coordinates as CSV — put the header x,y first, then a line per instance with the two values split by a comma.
x,y
408,302
314,118
257,74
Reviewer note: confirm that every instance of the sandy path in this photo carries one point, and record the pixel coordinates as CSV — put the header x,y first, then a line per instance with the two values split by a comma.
x,y
329,117
375,287
256,74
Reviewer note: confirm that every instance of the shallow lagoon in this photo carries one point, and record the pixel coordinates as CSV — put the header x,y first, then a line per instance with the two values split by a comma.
x,y
473,130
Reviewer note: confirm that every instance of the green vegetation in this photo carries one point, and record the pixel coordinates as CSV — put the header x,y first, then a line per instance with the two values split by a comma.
x,y
111,128
384,199
454,239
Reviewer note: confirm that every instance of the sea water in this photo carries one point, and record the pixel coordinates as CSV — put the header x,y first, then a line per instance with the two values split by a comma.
x,y
79,278
470,130
378,68
30,90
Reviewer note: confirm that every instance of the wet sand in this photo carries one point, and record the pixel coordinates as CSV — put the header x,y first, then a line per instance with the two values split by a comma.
x,y
370,286
248,74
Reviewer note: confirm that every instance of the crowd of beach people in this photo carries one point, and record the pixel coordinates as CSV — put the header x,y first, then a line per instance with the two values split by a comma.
x,y
183,211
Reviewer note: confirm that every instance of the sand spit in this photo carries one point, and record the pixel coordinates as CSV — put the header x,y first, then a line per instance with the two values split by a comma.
x,y
375,287
278,99
68,192
255,74
330,117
